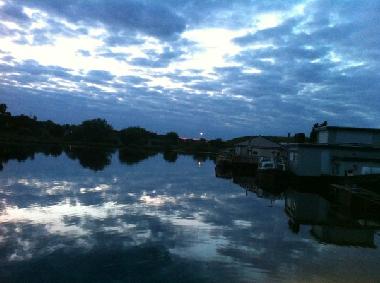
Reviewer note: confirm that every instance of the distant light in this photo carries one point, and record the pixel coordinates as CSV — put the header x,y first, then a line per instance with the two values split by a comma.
x,y
201,134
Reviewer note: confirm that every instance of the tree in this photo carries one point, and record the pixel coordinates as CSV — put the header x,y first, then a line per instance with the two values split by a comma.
x,y
3,109
95,130
172,137
170,156
134,154
93,158
135,135
217,143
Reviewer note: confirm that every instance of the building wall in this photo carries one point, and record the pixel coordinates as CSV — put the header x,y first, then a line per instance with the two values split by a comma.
x,y
325,162
317,161
323,137
259,152
241,151
342,168
353,137
376,139
305,161
262,152
367,153
338,136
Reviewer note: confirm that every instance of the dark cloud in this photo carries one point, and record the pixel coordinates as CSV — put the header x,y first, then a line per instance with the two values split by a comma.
x,y
304,68
84,53
99,76
158,60
12,11
269,34
319,65
33,68
133,80
153,18
231,14
123,38
5,31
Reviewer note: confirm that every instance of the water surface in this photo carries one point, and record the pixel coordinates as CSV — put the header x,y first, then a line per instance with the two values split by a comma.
x,y
66,219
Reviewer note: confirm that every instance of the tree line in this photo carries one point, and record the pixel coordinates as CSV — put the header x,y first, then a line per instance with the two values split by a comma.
x,y
22,128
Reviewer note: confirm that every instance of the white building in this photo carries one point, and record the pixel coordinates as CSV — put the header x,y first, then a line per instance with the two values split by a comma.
x,y
339,151
347,135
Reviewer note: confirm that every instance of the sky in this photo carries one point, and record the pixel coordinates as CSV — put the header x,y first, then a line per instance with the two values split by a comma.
x,y
224,68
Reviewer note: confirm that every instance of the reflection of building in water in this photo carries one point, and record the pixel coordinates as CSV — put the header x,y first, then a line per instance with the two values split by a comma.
x,y
328,222
250,184
223,172
269,182
338,151
306,208
344,235
246,182
357,201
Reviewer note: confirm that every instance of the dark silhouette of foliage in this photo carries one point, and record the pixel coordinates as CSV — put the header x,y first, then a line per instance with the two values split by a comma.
x,y
3,109
172,137
200,157
22,152
133,155
96,130
54,130
170,156
52,150
135,136
90,157
216,144
299,137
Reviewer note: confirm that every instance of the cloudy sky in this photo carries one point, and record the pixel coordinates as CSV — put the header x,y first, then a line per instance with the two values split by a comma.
x,y
226,68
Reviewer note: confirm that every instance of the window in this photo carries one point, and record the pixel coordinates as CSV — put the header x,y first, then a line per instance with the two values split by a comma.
x,y
293,156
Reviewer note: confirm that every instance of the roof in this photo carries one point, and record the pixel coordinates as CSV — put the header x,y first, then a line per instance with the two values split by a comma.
x,y
337,128
356,147
259,142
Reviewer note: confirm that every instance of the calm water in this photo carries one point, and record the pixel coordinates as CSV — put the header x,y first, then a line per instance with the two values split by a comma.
x,y
160,221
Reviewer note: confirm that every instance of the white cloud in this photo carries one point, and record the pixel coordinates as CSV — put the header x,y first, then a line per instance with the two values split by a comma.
x,y
214,45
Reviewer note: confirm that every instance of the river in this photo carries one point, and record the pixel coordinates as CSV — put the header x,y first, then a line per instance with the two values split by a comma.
x,y
66,218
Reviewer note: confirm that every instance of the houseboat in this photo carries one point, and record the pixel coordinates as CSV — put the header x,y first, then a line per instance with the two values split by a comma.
x,y
337,152
247,155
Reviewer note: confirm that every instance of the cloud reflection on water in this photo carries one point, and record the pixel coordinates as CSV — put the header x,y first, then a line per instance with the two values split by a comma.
x,y
179,216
